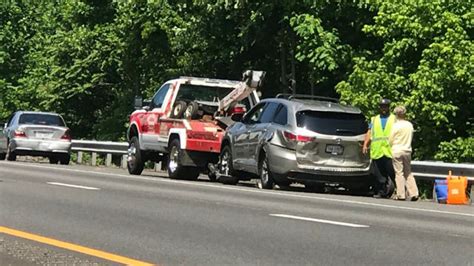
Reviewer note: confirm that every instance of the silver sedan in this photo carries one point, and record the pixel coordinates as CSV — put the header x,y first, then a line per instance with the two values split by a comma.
x,y
36,134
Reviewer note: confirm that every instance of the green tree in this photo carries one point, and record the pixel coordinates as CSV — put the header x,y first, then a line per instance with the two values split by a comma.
x,y
426,63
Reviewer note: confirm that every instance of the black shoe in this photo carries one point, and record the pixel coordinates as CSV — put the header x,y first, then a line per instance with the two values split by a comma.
x,y
414,199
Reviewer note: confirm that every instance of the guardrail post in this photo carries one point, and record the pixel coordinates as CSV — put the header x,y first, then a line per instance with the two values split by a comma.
x,y
124,161
79,157
94,159
108,160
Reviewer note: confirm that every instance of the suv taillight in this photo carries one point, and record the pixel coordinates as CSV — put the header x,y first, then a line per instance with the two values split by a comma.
x,y
20,133
293,137
67,135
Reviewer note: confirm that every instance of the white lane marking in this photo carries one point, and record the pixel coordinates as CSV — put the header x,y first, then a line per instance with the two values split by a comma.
x,y
191,183
73,186
319,220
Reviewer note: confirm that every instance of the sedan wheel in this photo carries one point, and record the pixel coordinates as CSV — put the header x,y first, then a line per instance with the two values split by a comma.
x,y
11,155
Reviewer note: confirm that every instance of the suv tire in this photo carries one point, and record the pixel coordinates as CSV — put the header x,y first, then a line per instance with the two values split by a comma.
x,y
3,156
226,167
135,163
175,169
266,176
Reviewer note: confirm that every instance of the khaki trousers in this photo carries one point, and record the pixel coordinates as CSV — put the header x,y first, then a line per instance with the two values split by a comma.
x,y
404,180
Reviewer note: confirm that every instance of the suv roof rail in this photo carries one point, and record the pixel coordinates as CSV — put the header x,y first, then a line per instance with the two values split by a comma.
x,y
290,97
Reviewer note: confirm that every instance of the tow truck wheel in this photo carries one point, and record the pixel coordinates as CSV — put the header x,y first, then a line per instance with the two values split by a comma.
x,y
135,163
191,111
175,169
226,168
178,109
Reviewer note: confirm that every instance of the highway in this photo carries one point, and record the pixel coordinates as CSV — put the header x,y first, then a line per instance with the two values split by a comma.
x,y
113,217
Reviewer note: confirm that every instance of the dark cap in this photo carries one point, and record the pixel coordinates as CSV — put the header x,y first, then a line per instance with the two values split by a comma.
x,y
384,102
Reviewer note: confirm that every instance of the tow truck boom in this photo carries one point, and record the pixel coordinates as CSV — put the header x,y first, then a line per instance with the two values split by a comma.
x,y
251,81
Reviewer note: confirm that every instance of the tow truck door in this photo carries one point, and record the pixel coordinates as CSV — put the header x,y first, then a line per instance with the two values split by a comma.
x,y
150,125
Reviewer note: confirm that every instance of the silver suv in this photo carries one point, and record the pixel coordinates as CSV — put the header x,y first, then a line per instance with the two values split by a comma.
x,y
302,139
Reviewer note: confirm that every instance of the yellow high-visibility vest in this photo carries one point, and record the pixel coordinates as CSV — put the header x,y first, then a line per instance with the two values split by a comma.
x,y
379,145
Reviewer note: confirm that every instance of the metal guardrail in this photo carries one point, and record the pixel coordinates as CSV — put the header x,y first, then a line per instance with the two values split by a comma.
x,y
426,170
100,147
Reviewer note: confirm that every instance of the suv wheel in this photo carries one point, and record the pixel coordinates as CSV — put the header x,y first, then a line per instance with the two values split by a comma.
x,y
11,155
135,163
226,168
3,156
266,178
175,169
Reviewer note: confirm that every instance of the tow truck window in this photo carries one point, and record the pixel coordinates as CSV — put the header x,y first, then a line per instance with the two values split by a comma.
x,y
159,97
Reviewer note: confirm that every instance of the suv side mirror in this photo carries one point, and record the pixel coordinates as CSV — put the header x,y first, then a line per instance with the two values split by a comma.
x,y
237,117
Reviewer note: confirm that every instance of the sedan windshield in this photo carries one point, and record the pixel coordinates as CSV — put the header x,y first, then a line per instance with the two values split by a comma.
x,y
41,119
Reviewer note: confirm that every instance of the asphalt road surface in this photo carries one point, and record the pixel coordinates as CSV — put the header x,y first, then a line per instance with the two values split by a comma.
x,y
83,215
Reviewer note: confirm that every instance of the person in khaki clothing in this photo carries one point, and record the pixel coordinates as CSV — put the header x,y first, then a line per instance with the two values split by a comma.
x,y
400,140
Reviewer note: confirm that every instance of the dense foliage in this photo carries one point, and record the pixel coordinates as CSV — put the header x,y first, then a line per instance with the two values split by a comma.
x,y
87,59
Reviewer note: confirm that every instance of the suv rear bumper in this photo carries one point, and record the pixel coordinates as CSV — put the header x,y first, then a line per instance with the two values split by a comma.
x,y
283,162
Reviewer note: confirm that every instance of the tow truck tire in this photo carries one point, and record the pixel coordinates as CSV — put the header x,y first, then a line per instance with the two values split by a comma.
x,y
175,169
135,163
191,111
226,167
178,109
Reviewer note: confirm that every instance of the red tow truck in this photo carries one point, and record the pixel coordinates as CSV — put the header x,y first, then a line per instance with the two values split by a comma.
x,y
183,125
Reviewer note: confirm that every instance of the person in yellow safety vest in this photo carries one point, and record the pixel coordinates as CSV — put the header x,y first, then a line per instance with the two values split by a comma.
x,y
380,150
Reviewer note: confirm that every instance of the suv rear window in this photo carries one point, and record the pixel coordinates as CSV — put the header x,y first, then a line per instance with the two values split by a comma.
x,y
332,123
41,119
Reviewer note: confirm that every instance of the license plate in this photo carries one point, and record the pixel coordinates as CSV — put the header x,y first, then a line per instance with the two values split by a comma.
x,y
43,135
334,149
